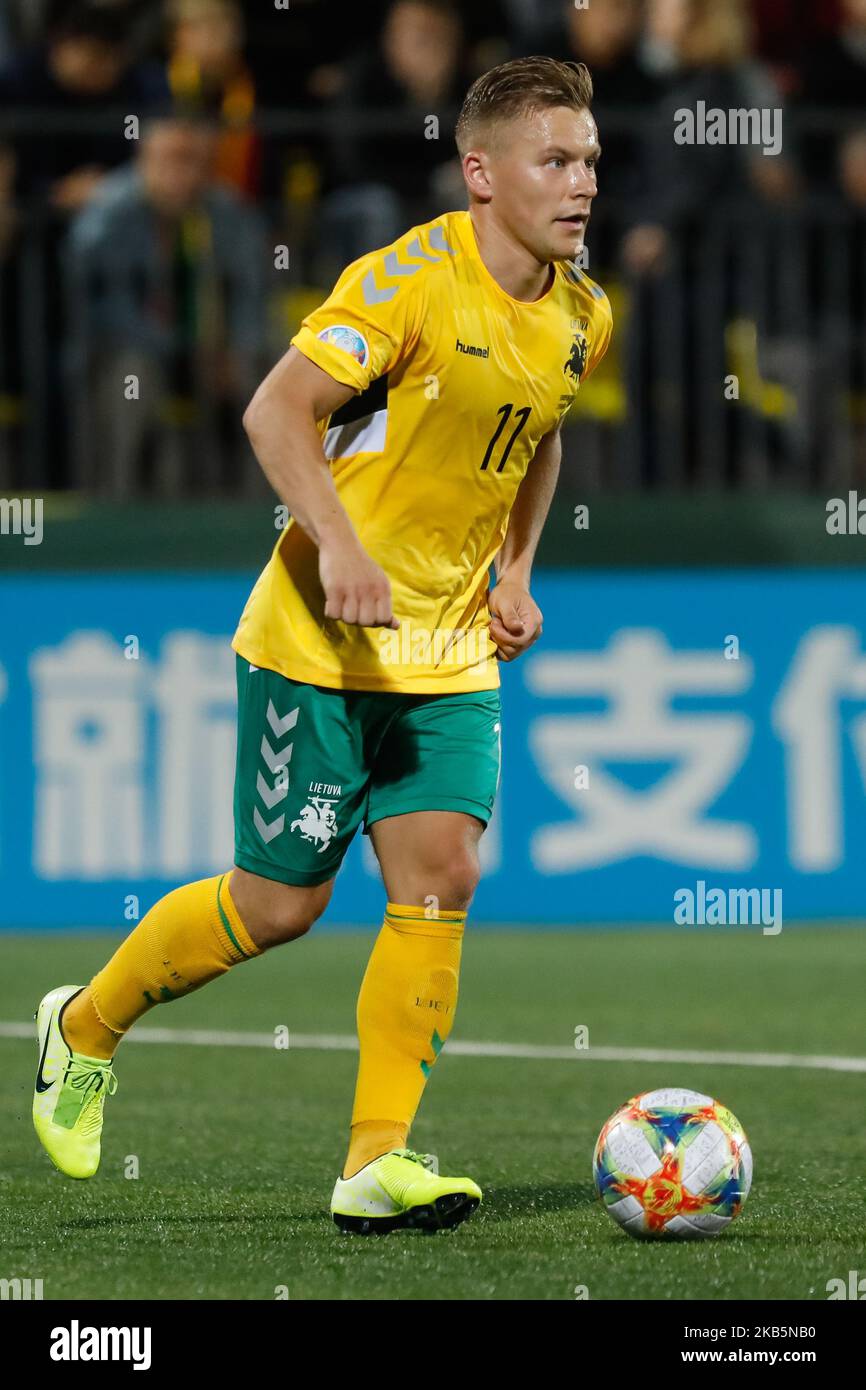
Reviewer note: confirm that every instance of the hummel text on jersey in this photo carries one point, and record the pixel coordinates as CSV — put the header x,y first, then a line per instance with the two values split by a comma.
x,y
471,350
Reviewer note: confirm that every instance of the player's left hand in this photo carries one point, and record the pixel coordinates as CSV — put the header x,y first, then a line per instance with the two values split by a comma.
x,y
515,619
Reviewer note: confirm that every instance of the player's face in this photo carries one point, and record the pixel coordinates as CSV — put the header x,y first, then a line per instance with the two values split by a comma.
x,y
544,180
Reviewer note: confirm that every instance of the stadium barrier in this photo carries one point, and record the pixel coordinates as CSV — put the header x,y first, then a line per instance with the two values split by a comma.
x,y
741,362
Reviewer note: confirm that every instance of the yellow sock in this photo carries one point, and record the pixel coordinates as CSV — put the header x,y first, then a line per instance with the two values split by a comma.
x,y
405,1012
186,939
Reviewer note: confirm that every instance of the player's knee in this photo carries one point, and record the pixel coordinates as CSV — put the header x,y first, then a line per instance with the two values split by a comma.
x,y
297,912
277,912
453,877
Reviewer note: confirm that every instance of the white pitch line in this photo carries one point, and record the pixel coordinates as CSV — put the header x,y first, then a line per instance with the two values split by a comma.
x,y
343,1042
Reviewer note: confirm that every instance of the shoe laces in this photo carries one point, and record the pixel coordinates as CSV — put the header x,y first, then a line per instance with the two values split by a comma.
x,y
428,1161
96,1082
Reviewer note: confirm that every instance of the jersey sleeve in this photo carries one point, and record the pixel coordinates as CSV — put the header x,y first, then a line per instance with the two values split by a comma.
x,y
369,322
602,328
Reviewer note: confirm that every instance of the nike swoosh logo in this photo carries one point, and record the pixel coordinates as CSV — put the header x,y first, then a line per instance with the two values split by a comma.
x,y
40,1084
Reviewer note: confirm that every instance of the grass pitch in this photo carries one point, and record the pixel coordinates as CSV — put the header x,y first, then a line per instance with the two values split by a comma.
x,y
237,1147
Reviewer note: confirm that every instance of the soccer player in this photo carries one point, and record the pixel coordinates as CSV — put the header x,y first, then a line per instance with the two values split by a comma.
x,y
412,432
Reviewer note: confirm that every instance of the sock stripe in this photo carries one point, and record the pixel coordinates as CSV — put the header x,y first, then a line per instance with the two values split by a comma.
x,y
425,926
418,914
434,917
227,924
405,918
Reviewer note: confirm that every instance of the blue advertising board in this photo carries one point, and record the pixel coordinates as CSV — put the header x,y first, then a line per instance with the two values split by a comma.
x,y
669,730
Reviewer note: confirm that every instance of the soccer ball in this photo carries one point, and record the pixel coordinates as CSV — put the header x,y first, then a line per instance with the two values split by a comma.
x,y
672,1163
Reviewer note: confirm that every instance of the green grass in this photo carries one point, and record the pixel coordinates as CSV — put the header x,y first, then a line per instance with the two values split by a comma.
x,y
238,1148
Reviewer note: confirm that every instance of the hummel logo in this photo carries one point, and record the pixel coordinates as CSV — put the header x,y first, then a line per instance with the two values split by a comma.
x,y
277,762
470,350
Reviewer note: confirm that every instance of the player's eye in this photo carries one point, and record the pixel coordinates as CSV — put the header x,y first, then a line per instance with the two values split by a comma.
x,y
556,159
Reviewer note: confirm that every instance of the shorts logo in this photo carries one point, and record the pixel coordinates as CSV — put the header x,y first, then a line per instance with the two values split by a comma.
x,y
317,822
277,763
347,339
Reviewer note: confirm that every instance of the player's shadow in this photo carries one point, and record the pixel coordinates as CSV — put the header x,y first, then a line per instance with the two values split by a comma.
x,y
193,1218
276,1224
505,1203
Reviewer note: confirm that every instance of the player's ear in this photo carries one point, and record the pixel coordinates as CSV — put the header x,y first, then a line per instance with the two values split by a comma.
x,y
476,174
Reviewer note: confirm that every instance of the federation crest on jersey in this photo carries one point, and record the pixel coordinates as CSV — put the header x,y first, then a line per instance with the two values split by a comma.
x,y
347,339
575,364
317,822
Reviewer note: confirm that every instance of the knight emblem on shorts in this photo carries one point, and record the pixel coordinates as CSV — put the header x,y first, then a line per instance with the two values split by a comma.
x,y
317,822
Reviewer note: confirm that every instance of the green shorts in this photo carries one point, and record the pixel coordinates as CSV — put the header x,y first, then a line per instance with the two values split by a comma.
x,y
313,763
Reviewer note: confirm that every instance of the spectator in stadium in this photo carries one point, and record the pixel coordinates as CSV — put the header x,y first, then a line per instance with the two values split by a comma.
x,y
208,72
7,40
527,25
10,355
168,286
605,36
85,67
22,22
701,51
7,202
82,75
786,32
417,72
827,360
833,75
852,168
29,22
834,72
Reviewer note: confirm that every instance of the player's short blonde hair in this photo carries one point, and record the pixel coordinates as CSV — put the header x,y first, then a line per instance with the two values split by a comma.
x,y
518,88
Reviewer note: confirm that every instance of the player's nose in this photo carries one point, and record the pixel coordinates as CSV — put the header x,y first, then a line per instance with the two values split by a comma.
x,y
584,183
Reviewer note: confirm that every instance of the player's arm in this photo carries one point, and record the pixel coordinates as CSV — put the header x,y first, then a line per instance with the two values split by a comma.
x,y
515,618
281,424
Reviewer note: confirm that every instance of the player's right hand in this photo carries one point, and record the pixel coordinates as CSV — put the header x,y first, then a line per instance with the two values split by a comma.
x,y
357,590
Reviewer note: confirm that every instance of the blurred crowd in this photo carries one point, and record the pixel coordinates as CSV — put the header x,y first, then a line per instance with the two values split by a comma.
x,y
154,153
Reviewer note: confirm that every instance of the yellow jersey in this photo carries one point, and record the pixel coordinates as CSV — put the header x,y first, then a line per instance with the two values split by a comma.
x,y
456,382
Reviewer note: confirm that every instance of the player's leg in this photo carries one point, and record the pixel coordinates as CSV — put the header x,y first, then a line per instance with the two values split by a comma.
x,y
408,998
276,892
188,938
406,1008
285,863
287,851
428,806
